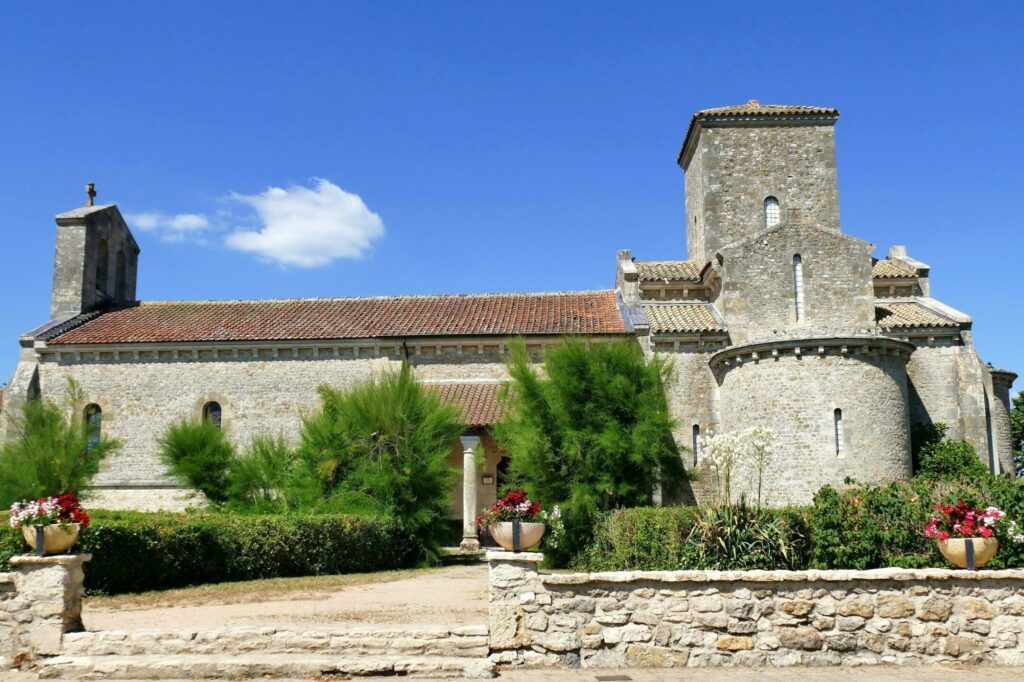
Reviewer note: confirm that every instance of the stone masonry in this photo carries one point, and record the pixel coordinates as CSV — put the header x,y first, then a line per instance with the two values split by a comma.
x,y
40,601
668,619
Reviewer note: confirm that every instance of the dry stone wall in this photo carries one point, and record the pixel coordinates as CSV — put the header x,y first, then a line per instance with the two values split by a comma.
x,y
40,601
753,618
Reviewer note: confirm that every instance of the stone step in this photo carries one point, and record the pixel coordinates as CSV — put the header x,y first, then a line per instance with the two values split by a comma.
x,y
460,642
155,667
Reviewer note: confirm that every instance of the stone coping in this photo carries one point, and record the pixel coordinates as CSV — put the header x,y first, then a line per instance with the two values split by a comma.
x,y
756,576
305,631
50,559
535,557
7,577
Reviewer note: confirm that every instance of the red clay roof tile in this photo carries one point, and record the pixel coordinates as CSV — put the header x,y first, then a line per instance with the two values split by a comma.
x,y
583,312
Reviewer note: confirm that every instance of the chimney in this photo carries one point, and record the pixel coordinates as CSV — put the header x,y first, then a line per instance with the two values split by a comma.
x,y
897,251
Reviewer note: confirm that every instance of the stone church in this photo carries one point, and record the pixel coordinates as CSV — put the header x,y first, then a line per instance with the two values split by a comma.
x,y
776,318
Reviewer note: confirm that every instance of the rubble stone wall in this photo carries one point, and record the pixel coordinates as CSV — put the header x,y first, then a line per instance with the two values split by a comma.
x,y
39,602
753,618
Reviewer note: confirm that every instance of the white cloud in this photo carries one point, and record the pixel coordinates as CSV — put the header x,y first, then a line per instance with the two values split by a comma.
x,y
307,227
172,228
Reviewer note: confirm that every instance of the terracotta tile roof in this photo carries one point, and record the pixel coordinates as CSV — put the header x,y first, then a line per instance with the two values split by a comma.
x,y
679,318
885,268
481,404
668,270
909,315
580,312
752,108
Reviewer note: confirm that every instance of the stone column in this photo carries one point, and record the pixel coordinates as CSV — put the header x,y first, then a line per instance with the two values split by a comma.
x,y
50,591
513,586
470,542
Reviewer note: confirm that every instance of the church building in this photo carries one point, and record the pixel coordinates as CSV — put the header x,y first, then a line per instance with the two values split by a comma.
x,y
775,318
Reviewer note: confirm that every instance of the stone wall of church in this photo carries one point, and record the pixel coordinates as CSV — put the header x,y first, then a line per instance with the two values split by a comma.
x,y
689,396
141,398
948,385
796,396
757,297
734,169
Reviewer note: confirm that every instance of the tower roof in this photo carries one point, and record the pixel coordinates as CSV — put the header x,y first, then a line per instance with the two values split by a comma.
x,y
753,110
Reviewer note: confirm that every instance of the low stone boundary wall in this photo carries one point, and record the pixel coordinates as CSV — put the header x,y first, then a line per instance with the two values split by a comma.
x,y
40,601
752,618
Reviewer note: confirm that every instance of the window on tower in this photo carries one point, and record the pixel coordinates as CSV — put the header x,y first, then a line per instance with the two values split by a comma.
x,y
837,417
102,265
771,212
212,413
798,286
696,445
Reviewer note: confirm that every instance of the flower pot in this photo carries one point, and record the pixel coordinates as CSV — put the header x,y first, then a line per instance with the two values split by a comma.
x,y
57,538
529,534
955,550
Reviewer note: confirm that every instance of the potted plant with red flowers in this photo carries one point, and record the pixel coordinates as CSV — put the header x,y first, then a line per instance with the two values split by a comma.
x,y
965,535
50,525
514,521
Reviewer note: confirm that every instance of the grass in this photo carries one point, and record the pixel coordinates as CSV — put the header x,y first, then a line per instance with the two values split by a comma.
x,y
251,591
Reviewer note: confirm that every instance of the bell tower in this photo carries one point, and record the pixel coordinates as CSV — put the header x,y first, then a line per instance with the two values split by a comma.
x,y
749,167
96,260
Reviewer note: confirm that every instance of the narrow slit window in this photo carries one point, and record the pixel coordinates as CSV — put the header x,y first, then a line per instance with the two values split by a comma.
x,y
212,413
696,445
771,212
93,425
119,274
798,286
837,418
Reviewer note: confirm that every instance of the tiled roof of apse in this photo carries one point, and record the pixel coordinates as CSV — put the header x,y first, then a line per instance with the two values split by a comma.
x,y
582,312
668,270
909,315
890,269
681,318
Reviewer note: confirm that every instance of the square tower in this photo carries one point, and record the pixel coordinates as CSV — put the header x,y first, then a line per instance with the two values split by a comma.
x,y
749,166
96,261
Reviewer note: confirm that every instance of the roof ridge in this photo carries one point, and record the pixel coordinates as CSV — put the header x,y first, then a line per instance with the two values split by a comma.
x,y
379,297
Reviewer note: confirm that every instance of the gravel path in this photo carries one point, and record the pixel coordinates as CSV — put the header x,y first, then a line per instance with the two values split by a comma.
x,y
454,595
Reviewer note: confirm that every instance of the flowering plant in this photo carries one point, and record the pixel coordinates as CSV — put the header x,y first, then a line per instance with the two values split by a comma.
x,y
515,506
963,521
47,511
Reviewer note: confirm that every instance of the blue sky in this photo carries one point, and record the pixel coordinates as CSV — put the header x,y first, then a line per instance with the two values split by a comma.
x,y
470,147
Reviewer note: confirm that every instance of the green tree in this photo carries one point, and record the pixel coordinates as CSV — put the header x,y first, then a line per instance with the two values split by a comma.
x,y
201,454
590,433
387,441
51,450
269,476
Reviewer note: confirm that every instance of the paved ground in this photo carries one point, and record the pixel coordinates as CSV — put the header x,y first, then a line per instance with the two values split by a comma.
x,y
454,595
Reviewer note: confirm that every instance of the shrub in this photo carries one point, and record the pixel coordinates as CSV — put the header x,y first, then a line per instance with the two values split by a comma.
x,y
199,453
690,538
951,459
386,442
51,449
137,552
270,477
593,433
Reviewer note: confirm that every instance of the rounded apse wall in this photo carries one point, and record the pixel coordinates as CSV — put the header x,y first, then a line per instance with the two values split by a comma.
x,y
838,408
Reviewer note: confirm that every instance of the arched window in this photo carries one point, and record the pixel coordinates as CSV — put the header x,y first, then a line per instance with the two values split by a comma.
x,y
212,413
798,286
771,212
696,445
102,265
93,424
119,266
837,418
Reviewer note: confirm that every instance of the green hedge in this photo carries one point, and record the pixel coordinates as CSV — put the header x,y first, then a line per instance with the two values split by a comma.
x,y
860,527
134,552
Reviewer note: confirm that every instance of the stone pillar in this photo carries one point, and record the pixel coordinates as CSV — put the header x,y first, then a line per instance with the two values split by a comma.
x,y
512,584
49,589
470,542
